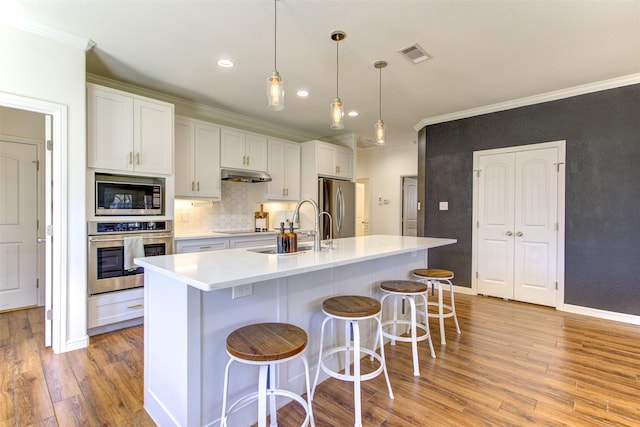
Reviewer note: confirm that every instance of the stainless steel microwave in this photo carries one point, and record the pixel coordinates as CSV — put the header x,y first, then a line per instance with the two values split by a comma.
x,y
128,195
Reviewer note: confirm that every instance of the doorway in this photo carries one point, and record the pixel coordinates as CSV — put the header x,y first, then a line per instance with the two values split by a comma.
x,y
409,206
362,207
55,215
518,213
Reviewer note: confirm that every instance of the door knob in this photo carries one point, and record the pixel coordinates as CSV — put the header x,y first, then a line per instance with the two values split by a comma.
x,y
508,233
519,234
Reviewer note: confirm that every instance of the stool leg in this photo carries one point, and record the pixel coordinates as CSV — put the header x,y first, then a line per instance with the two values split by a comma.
x,y
273,410
414,336
307,384
440,312
348,338
382,356
315,381
223,417
356,373
426,326
453,306
262,395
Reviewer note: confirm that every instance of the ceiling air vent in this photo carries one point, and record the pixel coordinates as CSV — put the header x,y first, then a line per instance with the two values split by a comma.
x,y
415,53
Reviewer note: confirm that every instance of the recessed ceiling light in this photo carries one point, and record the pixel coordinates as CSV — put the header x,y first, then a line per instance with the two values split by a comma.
x,y
353,113
302,93
225,63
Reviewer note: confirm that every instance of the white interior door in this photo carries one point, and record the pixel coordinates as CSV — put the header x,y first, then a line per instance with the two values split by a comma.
x,y
535,227
18,225
359,209
517,225
409,206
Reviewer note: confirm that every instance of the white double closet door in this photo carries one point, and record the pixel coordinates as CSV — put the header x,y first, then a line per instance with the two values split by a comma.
x,y
517,212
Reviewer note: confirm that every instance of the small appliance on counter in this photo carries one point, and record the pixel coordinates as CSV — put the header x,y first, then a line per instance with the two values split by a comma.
x,y
262,220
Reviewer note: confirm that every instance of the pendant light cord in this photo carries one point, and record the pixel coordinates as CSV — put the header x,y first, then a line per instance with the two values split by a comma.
x,y
275,32
337,67
380,94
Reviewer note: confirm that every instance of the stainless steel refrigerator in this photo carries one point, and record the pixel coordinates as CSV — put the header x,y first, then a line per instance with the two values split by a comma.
x,y
338,198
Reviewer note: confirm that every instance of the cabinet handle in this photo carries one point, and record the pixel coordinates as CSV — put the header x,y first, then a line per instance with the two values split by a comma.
x,y
283,192
135,306
519,234
248,161
193,186
137,158
244,160
198,186
287,191
130,157
508,233
205,247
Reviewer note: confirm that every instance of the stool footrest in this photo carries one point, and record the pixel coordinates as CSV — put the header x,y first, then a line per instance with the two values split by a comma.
x,y
350,377
401,338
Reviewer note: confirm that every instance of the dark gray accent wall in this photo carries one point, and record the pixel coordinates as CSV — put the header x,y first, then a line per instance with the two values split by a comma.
x,y
602,239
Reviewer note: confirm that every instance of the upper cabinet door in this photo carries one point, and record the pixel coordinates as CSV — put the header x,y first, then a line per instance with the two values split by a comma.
x,y
284,168
256,151
207,161
153,137
109,129
184,157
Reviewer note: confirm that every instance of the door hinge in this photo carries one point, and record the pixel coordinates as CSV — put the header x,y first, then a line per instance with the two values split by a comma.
x,y
37,224
556,286
477,224
558,166
49,314
557,226
49,145
477,171
477,276
37,162
37,283
49,230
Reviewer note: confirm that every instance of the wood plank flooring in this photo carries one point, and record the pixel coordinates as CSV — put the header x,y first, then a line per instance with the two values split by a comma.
x,y
513,364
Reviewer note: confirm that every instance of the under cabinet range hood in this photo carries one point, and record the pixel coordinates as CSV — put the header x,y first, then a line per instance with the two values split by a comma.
x,y
239,175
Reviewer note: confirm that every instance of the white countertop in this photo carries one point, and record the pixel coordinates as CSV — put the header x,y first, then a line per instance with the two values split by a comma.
x,y
222,234
215,270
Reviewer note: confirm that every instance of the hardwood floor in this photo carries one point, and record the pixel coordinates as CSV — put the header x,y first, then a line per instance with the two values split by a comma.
x,y
513,364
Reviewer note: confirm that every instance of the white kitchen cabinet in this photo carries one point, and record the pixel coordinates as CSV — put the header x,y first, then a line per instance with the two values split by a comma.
x,y
197,157
284,168
329,160
201,245
243,150
114,307
128,132
252,242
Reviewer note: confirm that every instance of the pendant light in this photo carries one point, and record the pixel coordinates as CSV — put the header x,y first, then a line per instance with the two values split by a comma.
x,y
275,88
380,130
337,108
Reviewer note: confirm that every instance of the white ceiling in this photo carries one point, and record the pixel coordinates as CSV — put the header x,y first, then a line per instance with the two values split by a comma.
x,y
484,52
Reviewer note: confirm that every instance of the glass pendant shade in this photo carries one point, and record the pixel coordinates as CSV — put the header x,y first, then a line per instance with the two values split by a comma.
x,y
380,132
337,114
275,92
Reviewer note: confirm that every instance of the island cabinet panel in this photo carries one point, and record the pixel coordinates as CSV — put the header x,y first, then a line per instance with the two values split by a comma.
x,y
186,328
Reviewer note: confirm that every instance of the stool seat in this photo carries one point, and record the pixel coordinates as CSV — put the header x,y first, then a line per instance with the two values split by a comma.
x,y
351,306
266,341
403,286
435,273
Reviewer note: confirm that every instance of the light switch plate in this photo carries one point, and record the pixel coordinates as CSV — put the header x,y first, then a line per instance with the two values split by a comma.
x,y
444,206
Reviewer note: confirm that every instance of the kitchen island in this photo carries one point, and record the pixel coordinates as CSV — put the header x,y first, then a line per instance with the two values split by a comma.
x,y
190,309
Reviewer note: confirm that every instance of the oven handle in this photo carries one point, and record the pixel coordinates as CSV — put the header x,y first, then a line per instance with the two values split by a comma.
x,y
119,239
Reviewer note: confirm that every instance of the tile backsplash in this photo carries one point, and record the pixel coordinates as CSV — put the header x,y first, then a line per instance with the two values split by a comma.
x,y
235,211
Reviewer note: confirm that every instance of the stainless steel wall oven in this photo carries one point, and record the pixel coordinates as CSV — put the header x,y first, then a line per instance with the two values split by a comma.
x,y
107,271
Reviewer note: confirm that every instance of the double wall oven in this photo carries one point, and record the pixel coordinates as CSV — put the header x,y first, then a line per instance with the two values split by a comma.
x,y
138,200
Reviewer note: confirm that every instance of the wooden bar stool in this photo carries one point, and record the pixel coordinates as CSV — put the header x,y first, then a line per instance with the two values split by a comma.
x,y
266,345
435,277
352,309
407,290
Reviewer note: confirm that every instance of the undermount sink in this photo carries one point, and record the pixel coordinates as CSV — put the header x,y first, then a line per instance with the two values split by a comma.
x,y
273,250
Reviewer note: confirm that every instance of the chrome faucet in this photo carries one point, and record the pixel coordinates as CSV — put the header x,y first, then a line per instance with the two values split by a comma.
x,y
330,241
296,214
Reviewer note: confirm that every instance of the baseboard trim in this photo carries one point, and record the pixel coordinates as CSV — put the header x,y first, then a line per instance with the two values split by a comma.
x,y
602,314
76,344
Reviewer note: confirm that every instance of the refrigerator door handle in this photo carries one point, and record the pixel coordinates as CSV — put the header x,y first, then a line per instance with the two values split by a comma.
x,y
339,209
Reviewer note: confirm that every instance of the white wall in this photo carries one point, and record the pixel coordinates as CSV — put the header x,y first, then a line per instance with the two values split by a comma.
x,y
39,68
385,169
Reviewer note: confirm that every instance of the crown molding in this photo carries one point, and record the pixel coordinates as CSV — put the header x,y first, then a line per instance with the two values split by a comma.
x,y
63,37
531,100
219,116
